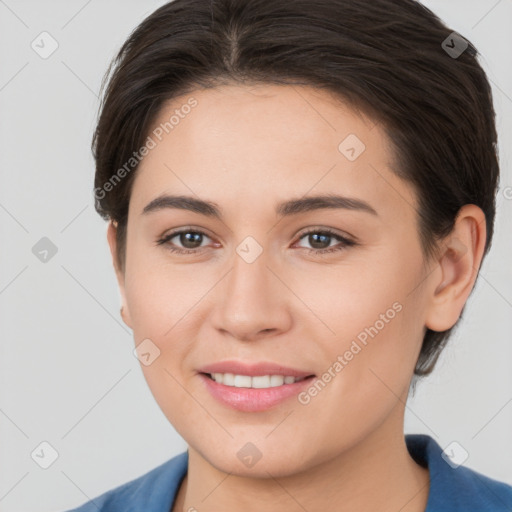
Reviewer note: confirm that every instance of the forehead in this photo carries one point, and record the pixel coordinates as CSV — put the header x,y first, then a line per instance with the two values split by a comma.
x,y
251,145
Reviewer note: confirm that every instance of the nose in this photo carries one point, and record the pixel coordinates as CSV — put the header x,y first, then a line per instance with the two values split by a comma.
x,y
252,303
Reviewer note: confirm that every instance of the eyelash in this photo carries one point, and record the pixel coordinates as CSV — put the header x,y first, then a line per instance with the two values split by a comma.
x,y
345,242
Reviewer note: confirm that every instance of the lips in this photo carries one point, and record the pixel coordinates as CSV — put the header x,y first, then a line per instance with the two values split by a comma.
x,y
252,399
253,369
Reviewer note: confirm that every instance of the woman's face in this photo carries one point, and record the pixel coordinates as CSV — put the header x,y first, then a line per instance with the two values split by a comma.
x,y
256,287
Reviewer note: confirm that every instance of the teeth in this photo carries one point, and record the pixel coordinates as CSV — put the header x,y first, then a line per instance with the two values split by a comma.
x,y
259,382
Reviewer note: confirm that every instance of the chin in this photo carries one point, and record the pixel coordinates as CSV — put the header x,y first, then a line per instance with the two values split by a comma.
x,y
253,460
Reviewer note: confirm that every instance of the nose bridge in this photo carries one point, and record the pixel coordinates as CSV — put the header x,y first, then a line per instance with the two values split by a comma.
x,y
249,277
251,300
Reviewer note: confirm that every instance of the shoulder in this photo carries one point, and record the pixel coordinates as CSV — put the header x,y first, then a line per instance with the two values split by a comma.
x,y
154,491
454,487
472,488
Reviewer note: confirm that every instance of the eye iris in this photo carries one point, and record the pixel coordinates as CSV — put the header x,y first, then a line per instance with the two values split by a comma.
x,y
190,237
314,240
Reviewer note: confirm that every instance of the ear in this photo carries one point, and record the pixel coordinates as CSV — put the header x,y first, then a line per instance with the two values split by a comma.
x,y
112,242
459,262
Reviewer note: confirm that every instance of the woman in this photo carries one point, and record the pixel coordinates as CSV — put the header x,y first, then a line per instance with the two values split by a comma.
x,y
300,195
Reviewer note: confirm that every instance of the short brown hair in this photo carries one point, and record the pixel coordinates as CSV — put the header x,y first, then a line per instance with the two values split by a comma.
x,y
390,59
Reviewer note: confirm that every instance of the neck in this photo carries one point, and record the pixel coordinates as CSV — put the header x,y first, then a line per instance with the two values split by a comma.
x,y
376,473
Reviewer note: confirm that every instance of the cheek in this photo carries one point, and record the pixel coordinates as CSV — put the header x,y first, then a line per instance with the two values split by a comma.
x,y
147,303
160,295
161,299
371,332
375,326
167,306
351,297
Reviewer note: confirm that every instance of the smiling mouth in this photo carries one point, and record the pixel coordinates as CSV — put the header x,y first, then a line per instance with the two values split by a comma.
x,y
254,382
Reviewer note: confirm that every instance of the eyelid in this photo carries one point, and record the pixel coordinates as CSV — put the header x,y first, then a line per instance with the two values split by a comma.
x,y
328,230
181,229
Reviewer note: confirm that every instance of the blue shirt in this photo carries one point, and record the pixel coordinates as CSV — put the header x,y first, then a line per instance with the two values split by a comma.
x,y
453,489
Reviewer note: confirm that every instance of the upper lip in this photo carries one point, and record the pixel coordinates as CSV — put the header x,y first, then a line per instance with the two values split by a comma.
x,y
253,369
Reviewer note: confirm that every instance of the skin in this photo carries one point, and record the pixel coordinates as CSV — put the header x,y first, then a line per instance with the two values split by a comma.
x,y
247,148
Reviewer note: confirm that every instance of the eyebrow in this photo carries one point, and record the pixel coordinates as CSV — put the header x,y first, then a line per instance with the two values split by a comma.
x,y
285,208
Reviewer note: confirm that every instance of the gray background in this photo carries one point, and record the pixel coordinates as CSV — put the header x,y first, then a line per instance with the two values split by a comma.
x,y
68,375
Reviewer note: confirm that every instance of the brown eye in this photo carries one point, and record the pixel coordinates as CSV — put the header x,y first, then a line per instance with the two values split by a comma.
x,y
187,241
320,241
190,239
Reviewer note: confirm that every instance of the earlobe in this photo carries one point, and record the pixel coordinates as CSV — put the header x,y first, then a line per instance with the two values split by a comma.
x,y
112,242
458,265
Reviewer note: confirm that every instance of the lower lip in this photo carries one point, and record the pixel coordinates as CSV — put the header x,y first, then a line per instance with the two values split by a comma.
x,y
252,399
